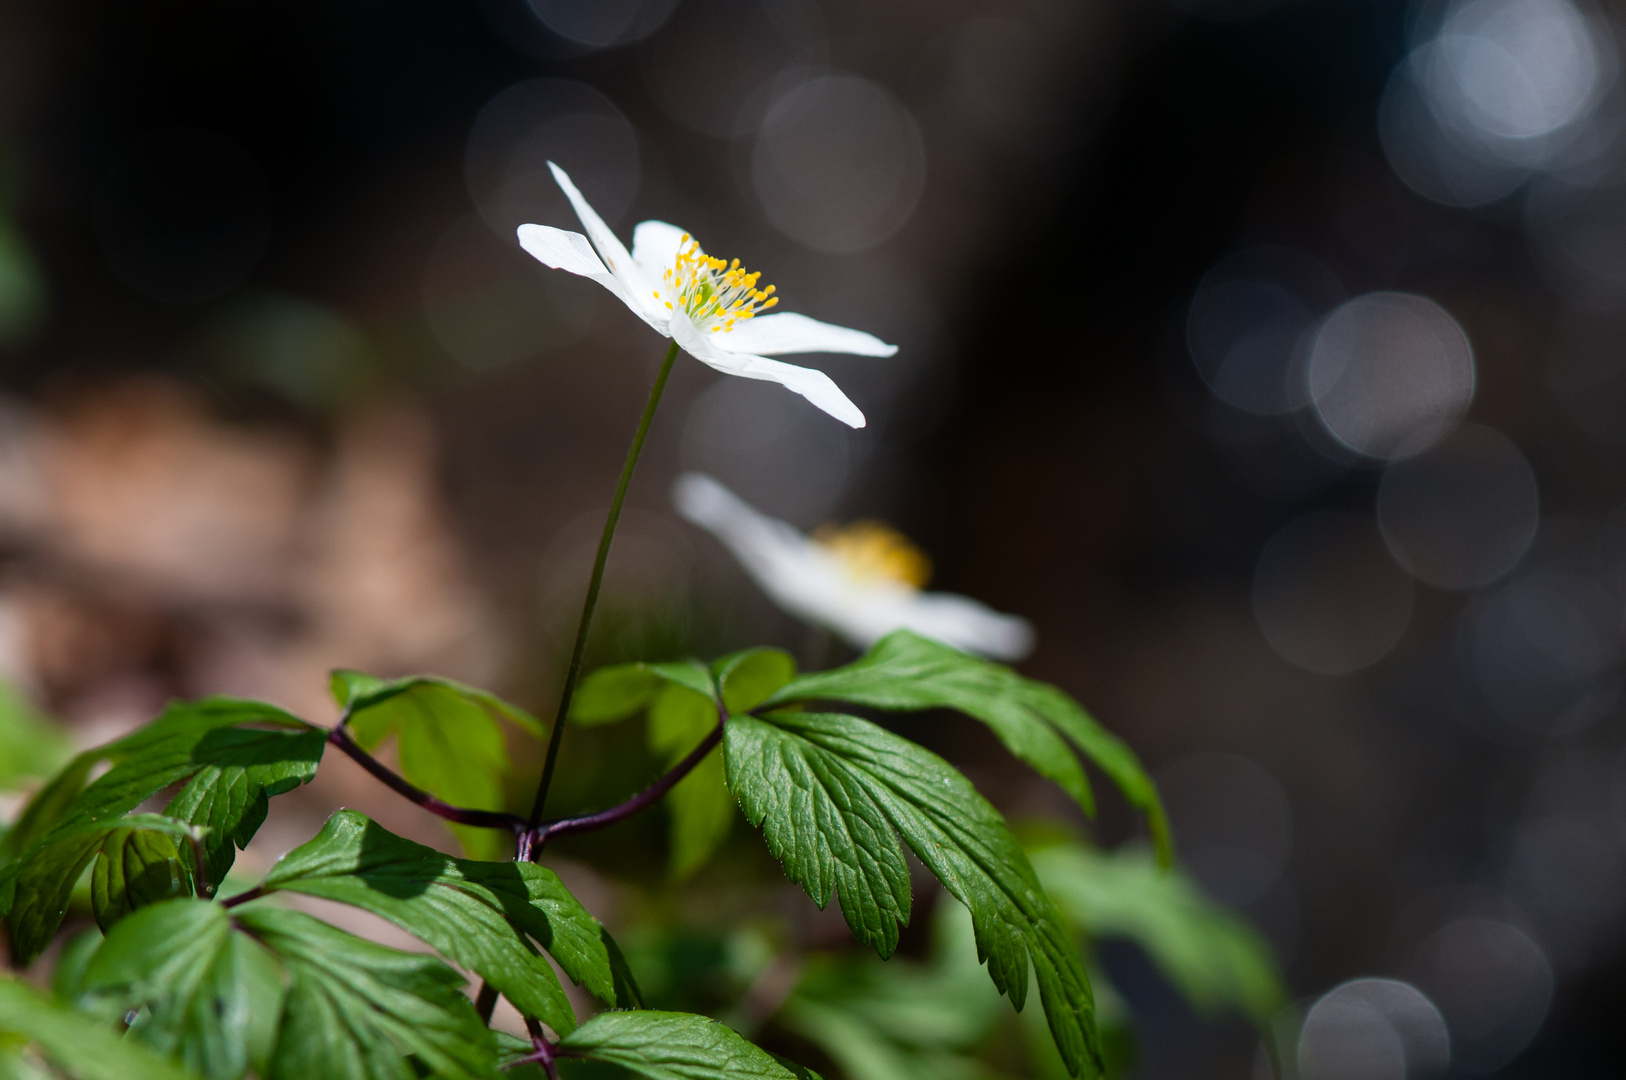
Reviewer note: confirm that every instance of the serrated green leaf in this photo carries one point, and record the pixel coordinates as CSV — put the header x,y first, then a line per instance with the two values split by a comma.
x,y
676,1046
490,918
829,791
211,994
233,756
448,741
137,867
80,1044
35,890
358,1011
907,672
1212,956
748,678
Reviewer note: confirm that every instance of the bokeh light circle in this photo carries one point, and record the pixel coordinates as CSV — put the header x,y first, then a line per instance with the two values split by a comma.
x,y
1461,514
184,216
718,65
1327,596
1544,649
838,164
1389,373
516,134
602,22
1493,984
1246,321
1374,1029
1514,70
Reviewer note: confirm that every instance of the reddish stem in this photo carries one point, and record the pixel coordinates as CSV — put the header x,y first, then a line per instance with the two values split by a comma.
x,y
530,845
480,819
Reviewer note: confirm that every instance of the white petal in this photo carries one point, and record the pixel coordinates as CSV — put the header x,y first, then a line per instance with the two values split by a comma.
x,y
812,384
771,335
612,251
806,580
789,567
655,247
968,625
570,251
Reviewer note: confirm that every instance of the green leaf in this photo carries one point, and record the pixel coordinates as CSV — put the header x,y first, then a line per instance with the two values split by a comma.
x,y
68,975
30,745
212,995
42,883
700,809
906,672
900,1020
358,1011
829,791
356,692
80,1044
748,678
232,756
623,690
676,1046
1212,956
137,867
613,693
448,741
490,918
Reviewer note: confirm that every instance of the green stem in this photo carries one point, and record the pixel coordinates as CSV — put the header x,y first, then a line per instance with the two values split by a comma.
x,y
576,652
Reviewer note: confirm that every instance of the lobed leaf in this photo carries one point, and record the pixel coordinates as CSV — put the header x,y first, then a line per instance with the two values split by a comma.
x,y
834,793
700,808
747,679
211,994
448,740
1035,721
80,1044
137,867
625,690
1212,956
491,918
676,1046
232,756
358,1011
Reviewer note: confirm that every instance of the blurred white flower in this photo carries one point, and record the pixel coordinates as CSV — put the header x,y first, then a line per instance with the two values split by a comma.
x,y
861,582
709,306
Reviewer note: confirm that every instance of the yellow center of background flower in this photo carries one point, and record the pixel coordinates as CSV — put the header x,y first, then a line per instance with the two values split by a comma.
x,y
714,292
872,551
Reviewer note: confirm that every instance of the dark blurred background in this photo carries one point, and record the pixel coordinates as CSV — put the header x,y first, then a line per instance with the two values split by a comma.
x,y
1266,354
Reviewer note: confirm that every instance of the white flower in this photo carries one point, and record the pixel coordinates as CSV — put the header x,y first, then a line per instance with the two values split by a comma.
x,y
861,583
709,306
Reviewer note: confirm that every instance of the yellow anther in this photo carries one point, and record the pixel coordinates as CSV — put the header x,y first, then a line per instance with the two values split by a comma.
x,y
871,551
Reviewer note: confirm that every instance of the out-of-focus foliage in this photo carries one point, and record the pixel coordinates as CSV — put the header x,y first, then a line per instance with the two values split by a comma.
x,y
1215,958
447,739
31,747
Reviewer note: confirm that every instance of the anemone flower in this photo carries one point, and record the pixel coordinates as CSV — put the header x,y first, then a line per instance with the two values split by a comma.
x,y
861,582
711,307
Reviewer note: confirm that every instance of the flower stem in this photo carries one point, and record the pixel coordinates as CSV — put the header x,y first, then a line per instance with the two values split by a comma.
x,y
555,737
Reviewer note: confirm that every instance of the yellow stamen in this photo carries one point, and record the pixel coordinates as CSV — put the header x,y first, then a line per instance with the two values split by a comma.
x,y
715,293
873,551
